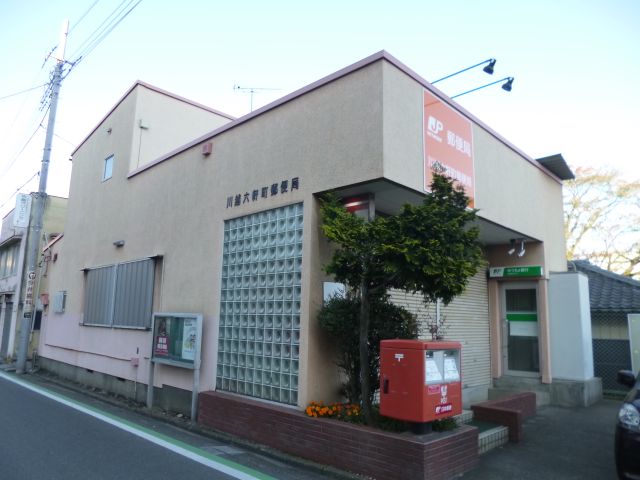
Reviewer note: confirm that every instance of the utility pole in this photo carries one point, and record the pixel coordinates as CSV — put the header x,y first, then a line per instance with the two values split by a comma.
x,y
35,227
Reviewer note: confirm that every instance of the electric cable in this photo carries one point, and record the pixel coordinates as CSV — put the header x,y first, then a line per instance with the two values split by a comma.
x,y
23,91
90,43
20,188
103,30
74,25
92,35
16,156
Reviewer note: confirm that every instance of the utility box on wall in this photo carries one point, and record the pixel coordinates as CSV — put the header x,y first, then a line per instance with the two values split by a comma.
x,y
420,381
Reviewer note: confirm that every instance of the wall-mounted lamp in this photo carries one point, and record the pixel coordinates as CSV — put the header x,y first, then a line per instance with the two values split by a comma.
x,y
513,243
488,69
508,82
118,243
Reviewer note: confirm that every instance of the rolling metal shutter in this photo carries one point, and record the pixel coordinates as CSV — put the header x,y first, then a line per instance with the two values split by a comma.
x,y
466,319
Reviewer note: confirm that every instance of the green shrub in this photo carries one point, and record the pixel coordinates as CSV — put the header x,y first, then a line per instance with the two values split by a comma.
x,y
339,318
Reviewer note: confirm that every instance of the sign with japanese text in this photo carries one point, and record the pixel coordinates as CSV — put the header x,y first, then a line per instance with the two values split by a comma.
x,y
281,187
448,144
510,272
22,211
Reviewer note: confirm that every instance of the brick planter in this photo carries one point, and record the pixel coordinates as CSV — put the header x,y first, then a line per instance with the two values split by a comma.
x,y
353,448
510,411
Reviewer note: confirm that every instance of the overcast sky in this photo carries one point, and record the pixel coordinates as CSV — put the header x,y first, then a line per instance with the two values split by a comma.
x,y
575,62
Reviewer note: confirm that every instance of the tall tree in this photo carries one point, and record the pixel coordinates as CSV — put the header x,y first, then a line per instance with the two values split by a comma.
x,y
602,220
429,248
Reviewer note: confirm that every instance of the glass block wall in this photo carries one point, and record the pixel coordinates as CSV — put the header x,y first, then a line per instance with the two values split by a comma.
x,y
259,337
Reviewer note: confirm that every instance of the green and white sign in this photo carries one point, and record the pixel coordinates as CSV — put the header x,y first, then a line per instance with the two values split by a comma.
x,y
523,324
516,272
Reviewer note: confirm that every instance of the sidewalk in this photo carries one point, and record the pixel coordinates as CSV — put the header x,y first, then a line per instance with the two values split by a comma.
x,y
559,443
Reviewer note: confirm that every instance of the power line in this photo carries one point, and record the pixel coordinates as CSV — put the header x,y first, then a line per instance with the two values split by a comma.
x,y
23,91
64,140
91,42
95,32
74,25
100,33
13,160
19,188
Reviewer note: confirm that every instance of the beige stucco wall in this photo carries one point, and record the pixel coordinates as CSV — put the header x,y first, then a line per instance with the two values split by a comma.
x,y
360,127
162,124
327,138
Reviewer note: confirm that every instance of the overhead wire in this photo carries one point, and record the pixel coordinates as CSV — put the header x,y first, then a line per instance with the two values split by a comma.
x,y
20,188
74,25
96,31
17,155
23,91
91,42
100,33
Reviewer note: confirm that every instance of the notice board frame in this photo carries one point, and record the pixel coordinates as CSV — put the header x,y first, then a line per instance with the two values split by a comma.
x,y
176,342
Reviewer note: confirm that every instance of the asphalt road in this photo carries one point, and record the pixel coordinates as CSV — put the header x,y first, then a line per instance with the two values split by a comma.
x,y
81,439
45,439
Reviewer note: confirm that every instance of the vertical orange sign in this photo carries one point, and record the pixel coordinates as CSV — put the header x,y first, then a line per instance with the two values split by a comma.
x,y
448,144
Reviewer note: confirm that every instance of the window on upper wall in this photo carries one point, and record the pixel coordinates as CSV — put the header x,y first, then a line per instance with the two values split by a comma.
x,y
107,170
9,260
120,295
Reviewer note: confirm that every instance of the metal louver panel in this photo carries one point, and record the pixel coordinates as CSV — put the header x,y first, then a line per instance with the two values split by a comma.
x,y
134,294
98,307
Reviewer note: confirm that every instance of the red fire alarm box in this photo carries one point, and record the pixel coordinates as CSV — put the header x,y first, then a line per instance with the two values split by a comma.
x,y
420,381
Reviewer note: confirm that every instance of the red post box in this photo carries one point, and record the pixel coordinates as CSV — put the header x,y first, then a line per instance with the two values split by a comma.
x,y
420,381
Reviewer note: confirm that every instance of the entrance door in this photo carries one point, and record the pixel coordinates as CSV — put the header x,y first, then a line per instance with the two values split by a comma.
x,y
520,328
8,310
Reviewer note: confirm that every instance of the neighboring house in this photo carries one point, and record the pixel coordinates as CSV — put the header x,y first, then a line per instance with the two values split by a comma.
x,y
228,226
15,240
613,298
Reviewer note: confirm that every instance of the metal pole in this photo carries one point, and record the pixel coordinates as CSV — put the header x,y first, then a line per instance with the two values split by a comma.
x,y
40,200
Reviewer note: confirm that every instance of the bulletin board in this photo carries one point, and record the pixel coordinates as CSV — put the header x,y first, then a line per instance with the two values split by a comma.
x,y
177,339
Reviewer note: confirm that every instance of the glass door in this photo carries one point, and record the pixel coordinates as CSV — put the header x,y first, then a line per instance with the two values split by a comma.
x,y
520,321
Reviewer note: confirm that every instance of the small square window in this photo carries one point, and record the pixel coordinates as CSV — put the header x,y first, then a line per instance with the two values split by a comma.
x,y
107,171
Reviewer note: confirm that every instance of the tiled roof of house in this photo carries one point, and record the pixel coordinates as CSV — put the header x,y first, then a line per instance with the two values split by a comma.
x,y
609,291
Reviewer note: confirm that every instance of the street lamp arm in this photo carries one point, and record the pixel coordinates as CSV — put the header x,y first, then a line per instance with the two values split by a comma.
x,y
488,69
507,86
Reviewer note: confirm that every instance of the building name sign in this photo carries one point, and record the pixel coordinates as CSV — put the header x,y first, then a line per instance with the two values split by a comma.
x,y
511,272
22,211
276,188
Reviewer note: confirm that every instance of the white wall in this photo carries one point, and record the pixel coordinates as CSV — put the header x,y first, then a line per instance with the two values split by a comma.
x,y
570,326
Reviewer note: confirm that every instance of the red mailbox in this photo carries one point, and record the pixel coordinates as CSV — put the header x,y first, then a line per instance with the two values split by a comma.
x,y
420,381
